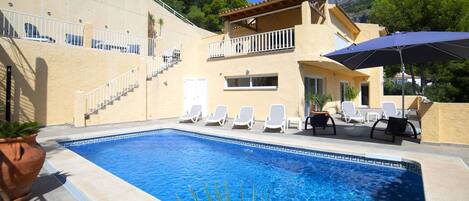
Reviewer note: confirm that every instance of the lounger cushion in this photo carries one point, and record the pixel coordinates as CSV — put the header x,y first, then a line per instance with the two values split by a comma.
x,y
276,116
245,115
220,113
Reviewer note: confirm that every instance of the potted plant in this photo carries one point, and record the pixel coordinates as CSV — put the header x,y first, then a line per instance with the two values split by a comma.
x,y
21,159
2,112
320,101
350,93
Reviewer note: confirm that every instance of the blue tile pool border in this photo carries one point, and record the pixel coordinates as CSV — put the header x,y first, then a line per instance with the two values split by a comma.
x,y
408,165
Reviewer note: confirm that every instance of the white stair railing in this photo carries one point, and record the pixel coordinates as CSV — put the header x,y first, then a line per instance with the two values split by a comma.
x,y
174,12
38,28
157,65
105,94
261,42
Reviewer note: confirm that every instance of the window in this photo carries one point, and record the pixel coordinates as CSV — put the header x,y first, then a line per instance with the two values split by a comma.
x,y
238,82
252,82
341,42
313,86
343,84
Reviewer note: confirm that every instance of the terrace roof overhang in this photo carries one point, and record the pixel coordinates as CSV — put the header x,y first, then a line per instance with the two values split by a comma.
x,y
329,64
259,8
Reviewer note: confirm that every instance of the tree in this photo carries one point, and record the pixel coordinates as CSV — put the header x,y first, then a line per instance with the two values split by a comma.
x,y
429,15
204,13
151,26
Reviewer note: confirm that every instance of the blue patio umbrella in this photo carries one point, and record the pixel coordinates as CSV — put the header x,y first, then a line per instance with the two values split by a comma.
x,y
404,48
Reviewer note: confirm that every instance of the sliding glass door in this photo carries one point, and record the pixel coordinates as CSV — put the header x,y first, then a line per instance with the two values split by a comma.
x,y
313,85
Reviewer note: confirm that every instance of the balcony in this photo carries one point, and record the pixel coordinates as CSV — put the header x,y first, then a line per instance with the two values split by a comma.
x,y
262,42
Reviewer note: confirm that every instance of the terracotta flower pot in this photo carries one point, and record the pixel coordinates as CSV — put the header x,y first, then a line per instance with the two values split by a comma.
x,y
320,113
21,159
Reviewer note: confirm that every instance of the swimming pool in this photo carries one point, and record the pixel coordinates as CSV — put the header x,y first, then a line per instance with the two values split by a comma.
x,y
167,163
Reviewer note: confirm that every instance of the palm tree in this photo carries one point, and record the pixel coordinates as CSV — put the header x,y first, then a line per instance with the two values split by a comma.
x,y
160,22
151,26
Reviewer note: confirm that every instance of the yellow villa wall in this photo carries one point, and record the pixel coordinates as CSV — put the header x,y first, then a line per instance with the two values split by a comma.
x,y
45,76
445,122
117,15
410,102
280,20
275,21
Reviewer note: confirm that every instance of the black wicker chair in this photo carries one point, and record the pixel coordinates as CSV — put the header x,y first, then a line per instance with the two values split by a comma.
x,y
320,120
395,126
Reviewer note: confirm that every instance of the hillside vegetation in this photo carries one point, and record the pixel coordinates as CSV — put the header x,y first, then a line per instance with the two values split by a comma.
x,y
204,13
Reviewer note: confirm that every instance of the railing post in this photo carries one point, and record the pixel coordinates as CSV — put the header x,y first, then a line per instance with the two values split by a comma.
x,y
305,13
87,35
79,109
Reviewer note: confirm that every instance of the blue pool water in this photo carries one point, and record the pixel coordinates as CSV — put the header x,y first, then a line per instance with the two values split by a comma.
x,y
167,163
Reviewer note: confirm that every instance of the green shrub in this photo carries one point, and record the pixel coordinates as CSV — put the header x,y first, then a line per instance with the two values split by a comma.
x,y
350,93
16,129
321,100
392,88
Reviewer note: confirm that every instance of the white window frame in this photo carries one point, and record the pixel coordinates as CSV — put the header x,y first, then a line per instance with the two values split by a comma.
x,y
360,94
315,77
250,87
346,82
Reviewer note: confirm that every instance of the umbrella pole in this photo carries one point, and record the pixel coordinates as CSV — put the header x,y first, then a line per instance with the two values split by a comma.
x,y
403,80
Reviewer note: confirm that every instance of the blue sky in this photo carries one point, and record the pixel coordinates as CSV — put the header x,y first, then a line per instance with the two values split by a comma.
x,y
254,1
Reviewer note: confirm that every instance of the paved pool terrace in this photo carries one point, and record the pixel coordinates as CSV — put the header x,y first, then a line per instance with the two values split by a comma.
x,y
445,168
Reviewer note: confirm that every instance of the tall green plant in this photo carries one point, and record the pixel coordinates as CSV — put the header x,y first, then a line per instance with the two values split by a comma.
x,y
320,100
151,26
350,93
16,129
160,23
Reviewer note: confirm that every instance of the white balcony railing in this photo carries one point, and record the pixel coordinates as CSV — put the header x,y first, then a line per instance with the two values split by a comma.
x,y
151,47
37,28
262,42
117,41
105,94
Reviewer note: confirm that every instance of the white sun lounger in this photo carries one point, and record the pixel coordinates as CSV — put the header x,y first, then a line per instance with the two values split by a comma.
x,y
219,116
193,115
245,117
350,113
276,118
390,110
